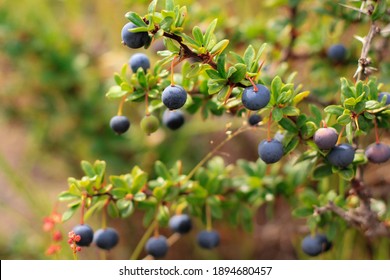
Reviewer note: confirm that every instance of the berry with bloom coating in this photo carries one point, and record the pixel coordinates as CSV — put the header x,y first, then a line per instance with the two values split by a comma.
x,y
254,119
134,40
337,53
86,234
383,94
119,124
173,119
378,153
270,151
325,138
315,245
341,155
180,223
208,239
174,97
106,238
157,246
255,100
139,60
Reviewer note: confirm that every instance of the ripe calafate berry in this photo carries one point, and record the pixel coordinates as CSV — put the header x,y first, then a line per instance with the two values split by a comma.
x,y
134,40
341,155
149,124
382,95
270,151
157,246
119,124
255,100
378,153
139,60
208,239
254,119
337,53
180,223
315,245
173,119
325,138
174,97
86,234
106,238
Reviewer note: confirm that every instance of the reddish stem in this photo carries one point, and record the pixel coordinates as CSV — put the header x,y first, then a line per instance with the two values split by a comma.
x,y
269,127
376,131
255,89
340,136
324,124
147,113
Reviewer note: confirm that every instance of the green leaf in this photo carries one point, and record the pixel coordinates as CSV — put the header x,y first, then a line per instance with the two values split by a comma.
x,y
136,19
292,144
347,174
166,23
380,10
219,47
198,35
221,65
288,125
126,212
95,207
88,169
70,211
291,111
277,114
115,92
66,195
276,87
169,5
140,196
344,119
215,86
119,182
334,110
321,171
139,181
209,33
112,210
300,96
213,74
249,56
302,212
223,93
152,7
162,170
238,75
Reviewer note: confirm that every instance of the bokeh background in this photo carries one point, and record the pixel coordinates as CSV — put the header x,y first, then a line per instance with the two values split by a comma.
x,y
57,60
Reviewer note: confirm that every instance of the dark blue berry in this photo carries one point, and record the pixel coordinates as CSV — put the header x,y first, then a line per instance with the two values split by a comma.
x,y
86,234
119,124
180,223
255,100
254,119
173,119
270,151
208,239
325,138
378,153
315,245
157,246
139,60
106,238
134,40
341,155
383,94
337,53
174,97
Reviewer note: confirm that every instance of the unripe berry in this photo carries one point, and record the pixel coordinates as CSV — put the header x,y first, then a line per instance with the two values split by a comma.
x,y
270,151
255,100
378,153
325,138
149,124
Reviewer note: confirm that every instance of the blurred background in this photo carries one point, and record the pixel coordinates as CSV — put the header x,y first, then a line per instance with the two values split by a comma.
x,y
57,59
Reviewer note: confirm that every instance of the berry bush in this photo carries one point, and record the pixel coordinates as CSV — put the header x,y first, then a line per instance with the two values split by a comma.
x,y
315,102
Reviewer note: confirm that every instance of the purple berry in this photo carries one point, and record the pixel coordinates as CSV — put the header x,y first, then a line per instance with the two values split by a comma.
x,y
270,151
180,223
315,245
86,234
208,239
341,155
378,153
106,239
139,60
157,246
173,119
174,97
325,138
337,53
120,124
134,40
